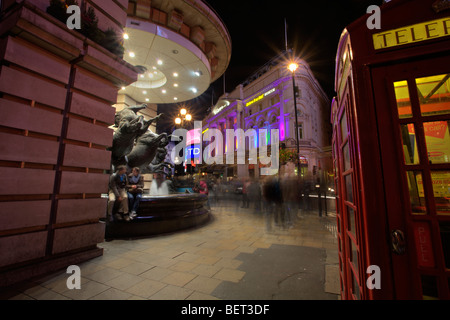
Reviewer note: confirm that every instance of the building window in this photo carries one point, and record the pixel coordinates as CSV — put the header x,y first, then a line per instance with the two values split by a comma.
x,y
274,119
300,131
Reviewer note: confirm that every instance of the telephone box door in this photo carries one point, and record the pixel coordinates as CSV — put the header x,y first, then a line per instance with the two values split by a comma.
x,y
412,102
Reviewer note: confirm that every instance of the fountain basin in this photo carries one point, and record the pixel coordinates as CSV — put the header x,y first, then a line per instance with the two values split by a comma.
x,y
162,214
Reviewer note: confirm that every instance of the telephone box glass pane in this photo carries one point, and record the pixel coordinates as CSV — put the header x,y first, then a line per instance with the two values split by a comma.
x,y
434,94
338,200
355,287
355,256
348,187
351,220
346,155
441,191
344,130
403,100
437,138
444,226
416,193
409,142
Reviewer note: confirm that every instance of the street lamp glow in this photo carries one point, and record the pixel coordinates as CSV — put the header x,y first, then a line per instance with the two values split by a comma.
x,y
293,66
183,111
188,117
177,120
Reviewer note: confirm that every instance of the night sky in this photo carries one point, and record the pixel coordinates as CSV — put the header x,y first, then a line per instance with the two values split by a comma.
x,y
257,33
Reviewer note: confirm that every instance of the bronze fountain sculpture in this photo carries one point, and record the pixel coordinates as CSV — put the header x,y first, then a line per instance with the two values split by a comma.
x,y
135,145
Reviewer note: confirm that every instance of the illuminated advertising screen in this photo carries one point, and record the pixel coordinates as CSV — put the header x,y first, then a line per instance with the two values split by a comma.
x,y
193,137
193,152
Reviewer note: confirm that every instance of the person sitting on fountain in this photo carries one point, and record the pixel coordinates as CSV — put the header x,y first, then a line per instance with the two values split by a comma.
x,y
135,188
117,195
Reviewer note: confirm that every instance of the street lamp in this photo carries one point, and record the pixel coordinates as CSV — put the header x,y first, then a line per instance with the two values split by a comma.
x,y
293,67
182,116
180,120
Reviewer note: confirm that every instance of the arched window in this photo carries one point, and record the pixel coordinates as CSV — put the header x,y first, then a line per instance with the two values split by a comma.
x,y
273,119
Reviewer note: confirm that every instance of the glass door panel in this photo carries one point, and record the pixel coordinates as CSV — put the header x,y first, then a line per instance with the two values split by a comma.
x,y
416,194
409,142
441,191
402,98
437,140
434,94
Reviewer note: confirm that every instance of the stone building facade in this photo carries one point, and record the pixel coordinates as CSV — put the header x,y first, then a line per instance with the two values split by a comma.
x,y
266,101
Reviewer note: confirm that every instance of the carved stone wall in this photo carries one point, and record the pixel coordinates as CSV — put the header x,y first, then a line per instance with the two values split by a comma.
x,y
56,92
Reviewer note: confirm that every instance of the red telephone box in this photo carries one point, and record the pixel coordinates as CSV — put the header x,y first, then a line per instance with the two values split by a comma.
x,y
391,153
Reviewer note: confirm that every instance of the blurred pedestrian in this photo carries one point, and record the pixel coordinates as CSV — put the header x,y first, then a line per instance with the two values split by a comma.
x,y
290,192
245,197
254,193
274,200
202,188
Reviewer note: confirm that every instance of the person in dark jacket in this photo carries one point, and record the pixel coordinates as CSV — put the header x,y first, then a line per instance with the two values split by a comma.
x,y
117,195
135,188
274,202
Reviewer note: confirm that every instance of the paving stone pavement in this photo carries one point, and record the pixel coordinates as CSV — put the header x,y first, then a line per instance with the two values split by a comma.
x,y
237,255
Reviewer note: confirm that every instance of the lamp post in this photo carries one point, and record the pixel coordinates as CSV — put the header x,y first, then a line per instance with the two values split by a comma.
x,y
180,120
293,67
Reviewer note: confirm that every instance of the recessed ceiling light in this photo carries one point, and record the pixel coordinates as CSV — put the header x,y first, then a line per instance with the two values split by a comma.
x,y
132,54
198,73
163,91
175,84
194,90
144,92
175,74
159,62
154,68
126,36
123,88
147,99
175,98
141,76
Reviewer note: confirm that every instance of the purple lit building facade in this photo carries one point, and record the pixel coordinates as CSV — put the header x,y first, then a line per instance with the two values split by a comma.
x,y
265,101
